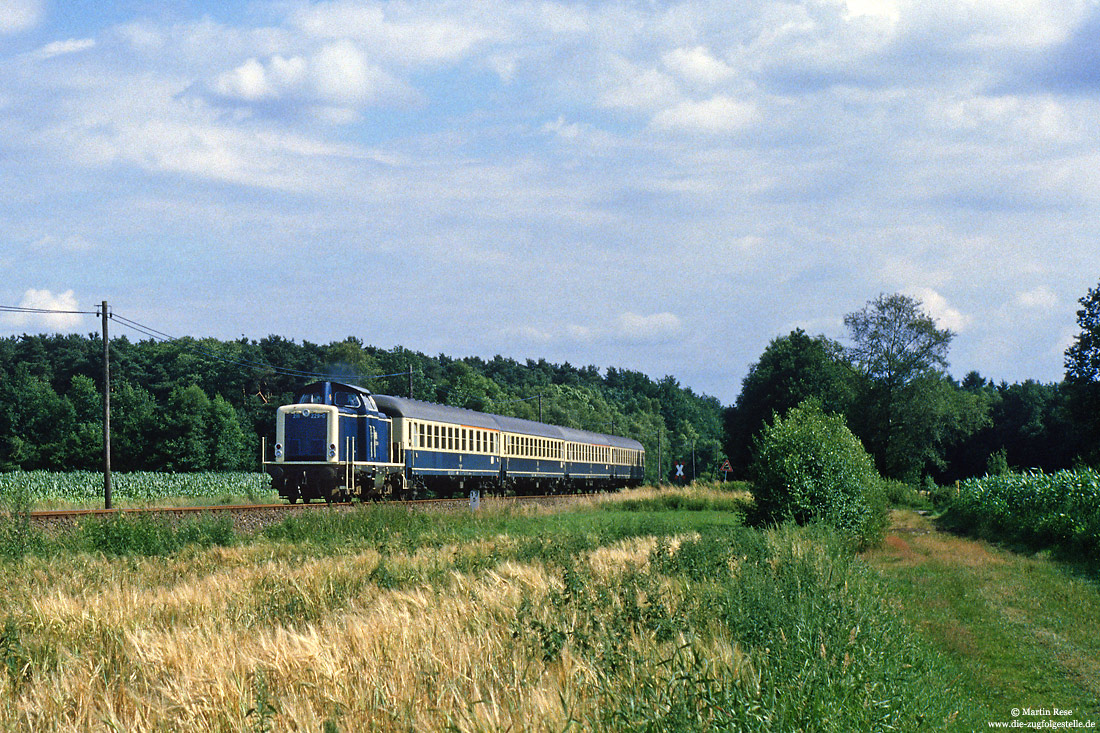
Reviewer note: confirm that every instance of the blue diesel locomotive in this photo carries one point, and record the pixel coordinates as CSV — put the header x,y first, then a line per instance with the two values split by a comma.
x,y
339,442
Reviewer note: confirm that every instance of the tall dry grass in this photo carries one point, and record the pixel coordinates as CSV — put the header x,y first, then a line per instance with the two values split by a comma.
x,y
534,622
187,644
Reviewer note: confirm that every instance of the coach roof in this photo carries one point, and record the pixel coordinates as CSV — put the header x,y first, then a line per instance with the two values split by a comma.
x,y
417,410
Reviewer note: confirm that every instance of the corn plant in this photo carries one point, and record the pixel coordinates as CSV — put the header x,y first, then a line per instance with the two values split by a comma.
x,y
75,487
1059,510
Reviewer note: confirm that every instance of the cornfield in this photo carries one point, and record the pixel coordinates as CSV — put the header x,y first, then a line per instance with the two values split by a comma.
x,y
1060,509
76,487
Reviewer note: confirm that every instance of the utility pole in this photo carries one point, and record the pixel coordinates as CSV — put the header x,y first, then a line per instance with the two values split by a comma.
x,y
658,457
106,411
693,460
410,380
540,408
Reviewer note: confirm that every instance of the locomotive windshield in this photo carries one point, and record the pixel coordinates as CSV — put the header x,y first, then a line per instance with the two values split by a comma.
x,y
346,399
340,398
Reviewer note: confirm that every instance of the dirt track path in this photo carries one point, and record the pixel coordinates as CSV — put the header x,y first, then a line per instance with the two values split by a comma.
x,y
1024,630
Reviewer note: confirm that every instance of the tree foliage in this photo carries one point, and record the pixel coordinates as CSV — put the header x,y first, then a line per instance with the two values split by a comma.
x,y
891,387
793,368
204,404
906,411
1083,374
809,466
894,341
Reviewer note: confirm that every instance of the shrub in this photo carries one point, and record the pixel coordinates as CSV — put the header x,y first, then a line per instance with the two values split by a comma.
x,y
899,493
809,467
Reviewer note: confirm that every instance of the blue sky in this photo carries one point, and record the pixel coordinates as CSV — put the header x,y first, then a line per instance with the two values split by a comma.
x,y
656,186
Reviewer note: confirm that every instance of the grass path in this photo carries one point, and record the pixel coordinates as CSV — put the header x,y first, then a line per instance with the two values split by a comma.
x,y
1022,630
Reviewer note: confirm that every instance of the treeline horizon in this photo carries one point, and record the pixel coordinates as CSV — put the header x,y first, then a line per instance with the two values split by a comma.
x,y
207,404
919,424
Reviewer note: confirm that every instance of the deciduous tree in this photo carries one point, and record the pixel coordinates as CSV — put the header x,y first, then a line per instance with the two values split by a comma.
x,y
906,412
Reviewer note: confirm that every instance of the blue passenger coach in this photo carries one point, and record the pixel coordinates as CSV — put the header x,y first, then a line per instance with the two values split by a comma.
x,y
340,442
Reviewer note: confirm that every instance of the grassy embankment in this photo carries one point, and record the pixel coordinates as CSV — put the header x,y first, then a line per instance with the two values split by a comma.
x,y
1019,628
644,611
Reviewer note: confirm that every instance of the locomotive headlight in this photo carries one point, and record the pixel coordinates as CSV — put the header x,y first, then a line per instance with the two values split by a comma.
x,y
278,450
332,451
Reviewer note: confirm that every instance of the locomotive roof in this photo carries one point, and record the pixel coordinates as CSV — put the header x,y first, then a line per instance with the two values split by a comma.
x,y
416,409
314,386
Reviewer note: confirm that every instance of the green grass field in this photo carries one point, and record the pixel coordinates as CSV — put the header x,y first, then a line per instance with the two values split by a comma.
x,y
647,610
1019,629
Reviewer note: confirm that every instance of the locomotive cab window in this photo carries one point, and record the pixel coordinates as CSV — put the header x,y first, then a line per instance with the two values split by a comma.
x,y
347,399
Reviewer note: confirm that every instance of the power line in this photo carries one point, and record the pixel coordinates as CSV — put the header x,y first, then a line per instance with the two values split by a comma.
x,y
22,309
518,399
161,336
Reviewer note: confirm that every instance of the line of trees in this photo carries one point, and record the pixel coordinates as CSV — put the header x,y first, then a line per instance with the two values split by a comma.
x,y
918,423
188,404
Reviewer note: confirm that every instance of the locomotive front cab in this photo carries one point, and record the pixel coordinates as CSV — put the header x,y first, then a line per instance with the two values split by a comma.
x,y
326,441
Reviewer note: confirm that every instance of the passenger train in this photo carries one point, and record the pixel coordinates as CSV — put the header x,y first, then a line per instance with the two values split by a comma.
x,y
339,442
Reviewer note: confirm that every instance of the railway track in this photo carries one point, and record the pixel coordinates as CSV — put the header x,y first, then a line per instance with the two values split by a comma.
x,y
251,517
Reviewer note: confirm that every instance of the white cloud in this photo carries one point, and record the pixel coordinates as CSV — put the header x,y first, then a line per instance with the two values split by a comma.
x,y
62,48
402,33
698,65
1039,298
654,327
140,35
72,243
719,114
46,301
17,16
342,74
581,333
634,88
248,82
941,311
334,81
